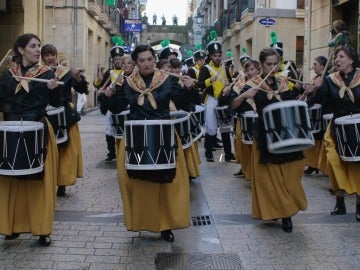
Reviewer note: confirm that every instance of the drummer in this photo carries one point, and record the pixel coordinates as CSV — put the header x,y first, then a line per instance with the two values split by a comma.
x,y
70,153
212,81
341,92
27,202
154,200
276,185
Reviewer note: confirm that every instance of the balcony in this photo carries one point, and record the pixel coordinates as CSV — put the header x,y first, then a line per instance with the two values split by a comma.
x,y
102,19
300,13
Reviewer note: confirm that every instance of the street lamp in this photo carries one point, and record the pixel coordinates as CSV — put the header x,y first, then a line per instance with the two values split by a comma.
x,y
148,40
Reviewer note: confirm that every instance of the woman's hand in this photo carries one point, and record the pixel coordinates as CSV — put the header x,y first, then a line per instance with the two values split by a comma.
x,y
109,91
188,81
52,84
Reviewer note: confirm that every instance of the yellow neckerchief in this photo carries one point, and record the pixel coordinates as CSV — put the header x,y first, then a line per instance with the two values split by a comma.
x,y
114,74
339,82
137,83
219,84
33,72
282,84
239,84
60,72
172,106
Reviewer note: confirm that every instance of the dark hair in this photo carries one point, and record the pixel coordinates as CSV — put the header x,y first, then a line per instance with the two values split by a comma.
x,y
264,53
255,63
142,48
162,63
21,42
350,52
322,60
339,26
48,49
175,63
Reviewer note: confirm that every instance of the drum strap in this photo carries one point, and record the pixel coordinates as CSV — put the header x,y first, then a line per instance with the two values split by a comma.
x,y
339,82
137,83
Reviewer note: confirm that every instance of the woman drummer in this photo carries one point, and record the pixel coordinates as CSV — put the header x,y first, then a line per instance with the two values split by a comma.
x,y
276,187
28,204
154,200
341,92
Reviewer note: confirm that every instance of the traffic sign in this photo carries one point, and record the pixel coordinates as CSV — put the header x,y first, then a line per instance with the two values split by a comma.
x,y
267,21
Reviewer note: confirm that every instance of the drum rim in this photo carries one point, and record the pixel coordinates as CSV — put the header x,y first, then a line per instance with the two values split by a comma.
x,y
221,108
315,106
122,113
55,110
348,119
285,103
199,108
21,125
328,116
252,114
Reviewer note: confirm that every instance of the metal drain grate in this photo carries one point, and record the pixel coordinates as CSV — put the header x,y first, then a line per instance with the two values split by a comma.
x,y
201,220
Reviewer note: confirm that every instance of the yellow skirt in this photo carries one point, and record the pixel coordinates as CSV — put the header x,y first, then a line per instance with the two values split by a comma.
x,y
312,155
70,159
276,189
152,206
243,153
29,205
343,175
192,159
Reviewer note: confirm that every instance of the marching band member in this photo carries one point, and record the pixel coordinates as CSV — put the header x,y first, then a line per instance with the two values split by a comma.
x,y
154,200
27,202
70,153
213,79
341,92
101,83
276,185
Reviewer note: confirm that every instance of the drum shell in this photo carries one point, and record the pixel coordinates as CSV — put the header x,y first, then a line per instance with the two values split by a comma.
x,y
22,148
225,119
181,121
196,122
150,144
287,127
315,113
347,133
56,117
118,122
247,120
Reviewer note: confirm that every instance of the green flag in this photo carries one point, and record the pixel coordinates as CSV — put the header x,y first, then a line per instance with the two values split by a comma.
x,y
110,2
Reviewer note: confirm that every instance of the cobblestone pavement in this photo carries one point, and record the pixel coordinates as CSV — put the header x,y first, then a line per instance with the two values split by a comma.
x,y
89,232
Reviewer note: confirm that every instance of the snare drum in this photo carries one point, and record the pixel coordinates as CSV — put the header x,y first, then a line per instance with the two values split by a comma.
x,y
150,145
326,120
117,123
224,118
287,127
181,120
315,118
347,132
247,120
57,119
196,124
21,147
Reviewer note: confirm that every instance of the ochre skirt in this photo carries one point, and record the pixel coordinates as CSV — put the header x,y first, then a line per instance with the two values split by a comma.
x,y
312,155
152,206
343,175
70,159
192,159
276,189
29,205
243,153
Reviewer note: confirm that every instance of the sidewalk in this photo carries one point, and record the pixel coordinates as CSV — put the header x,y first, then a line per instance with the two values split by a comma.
x,y
89,232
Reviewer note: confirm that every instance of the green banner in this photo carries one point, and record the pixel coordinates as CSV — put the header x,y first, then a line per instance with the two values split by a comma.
x,y
110,2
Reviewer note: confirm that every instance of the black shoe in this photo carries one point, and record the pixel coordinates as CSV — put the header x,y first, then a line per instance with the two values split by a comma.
x,y
12,236
61,191
310,170
110,157
209,156
168,236
230,158
287,225
340,208
45,240
357,213
239,173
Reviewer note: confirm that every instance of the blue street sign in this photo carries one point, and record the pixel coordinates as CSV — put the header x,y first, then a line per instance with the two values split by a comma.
x,y
267,21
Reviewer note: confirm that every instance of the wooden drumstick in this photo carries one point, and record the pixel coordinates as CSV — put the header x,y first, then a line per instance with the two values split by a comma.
x,y
267,76
36,79
174,74
293,80
112,85
326,67
4,58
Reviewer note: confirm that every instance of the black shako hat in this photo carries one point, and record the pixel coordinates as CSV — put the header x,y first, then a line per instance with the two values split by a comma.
x,y
213,47
200,54
117,50
166,52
